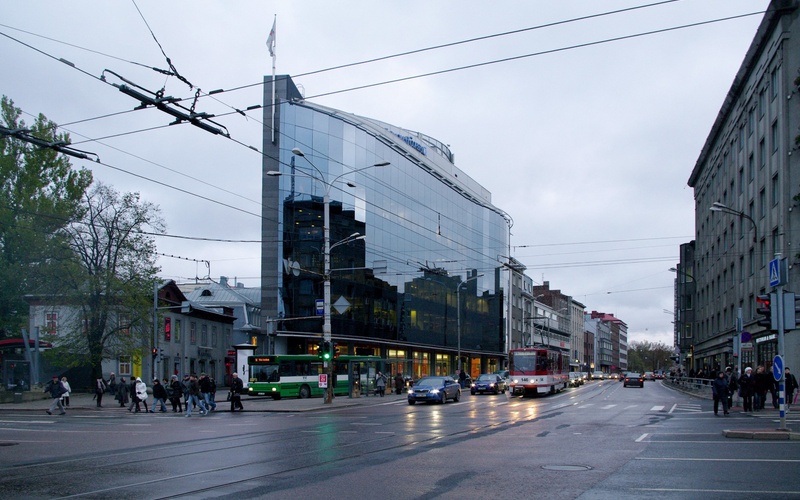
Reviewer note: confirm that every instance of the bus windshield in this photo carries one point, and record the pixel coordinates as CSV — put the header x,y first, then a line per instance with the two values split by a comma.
x,y
265,373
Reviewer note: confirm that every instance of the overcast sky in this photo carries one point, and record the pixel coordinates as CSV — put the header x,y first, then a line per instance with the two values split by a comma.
x,y
587,142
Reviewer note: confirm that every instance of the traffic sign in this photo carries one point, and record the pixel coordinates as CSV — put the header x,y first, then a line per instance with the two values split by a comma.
x,y
746,337
774,272
323,380
320,303
777,368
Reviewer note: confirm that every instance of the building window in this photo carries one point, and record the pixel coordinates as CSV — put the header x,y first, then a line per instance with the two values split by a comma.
x,y
762,153
124,324
124,367
775,240
774,136
751,122
193,333
773,84
740,138
177,332
204,335
762,103
214,336
775,188
51,323
751,168
762,203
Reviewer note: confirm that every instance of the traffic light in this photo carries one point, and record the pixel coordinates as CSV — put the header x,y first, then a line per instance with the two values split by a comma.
x,y
766,303
154,351
326,351
321,350
334,350
167,329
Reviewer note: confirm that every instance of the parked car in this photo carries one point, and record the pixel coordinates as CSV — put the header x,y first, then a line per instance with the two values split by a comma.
x,y
575,379
614,376
597,375
633,379
649,376
434,390
488,382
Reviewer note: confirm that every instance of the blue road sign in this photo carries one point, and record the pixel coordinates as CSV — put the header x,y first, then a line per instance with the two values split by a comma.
x,y
774,272
746,337
320,307
777,368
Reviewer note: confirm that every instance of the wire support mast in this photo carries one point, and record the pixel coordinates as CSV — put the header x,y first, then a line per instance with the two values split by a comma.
x,y
168,105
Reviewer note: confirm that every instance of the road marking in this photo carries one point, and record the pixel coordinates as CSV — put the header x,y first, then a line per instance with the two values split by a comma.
x,y
629,407
642,437
657,408
721,459
607,407
673,408
27,422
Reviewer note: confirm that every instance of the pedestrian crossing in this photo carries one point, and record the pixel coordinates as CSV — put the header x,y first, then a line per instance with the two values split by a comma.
x,y
671,409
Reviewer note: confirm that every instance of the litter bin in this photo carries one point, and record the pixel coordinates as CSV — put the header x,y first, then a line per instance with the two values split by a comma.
x,y
18,397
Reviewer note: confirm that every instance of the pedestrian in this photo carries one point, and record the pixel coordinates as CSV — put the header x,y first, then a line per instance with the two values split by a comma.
x,y
762,384
733,386
56,390
237,387
462,378
194,397
141,393
112,384
399,382
159,396
132,392
122,393
176,391
99,390
65,396
207,387
719,389
747,387
380,383
790,384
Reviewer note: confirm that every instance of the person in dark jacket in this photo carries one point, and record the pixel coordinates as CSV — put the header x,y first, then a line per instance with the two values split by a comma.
x,y
747,387
399,383
733,386
159,396
175,396
207,388
790,385
56,390
194,398
122,393
719,388
132,392
237,387
112,384
763,382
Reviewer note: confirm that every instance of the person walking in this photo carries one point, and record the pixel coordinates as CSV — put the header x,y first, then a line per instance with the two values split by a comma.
x,y
733,386
65,396
380,383
112,384
719,389
762,384
132,391
747,388
237,387
790,385
206,391
141,393
122,393
194,397
159,396
462,378
175,396
56,390
185,385
99,390
399,383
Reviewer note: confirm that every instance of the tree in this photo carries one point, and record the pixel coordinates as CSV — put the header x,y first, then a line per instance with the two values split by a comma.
x,y
112,281
644,356
40,194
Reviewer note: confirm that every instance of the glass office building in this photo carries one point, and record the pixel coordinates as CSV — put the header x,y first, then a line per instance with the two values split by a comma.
x,y
424,282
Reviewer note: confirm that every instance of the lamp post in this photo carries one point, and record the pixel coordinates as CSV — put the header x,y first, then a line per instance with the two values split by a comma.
x,y
326,299
719,207
458,313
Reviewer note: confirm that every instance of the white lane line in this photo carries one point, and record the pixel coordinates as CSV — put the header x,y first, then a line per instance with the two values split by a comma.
x,y
657,408
642,437
720,459
27,422
607,407
673,408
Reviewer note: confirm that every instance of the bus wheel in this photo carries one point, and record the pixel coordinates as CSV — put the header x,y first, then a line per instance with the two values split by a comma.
x,y
305,392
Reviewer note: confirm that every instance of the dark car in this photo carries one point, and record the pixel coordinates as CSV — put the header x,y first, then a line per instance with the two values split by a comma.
x,y
434,390
488,382
633,379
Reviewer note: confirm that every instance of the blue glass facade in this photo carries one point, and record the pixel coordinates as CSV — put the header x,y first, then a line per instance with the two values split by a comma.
x,y
432,239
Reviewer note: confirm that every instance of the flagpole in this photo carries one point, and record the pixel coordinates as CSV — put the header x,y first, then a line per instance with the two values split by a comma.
x,y
271,46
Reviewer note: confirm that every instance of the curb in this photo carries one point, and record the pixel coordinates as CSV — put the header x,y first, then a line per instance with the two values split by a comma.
x,y
763,434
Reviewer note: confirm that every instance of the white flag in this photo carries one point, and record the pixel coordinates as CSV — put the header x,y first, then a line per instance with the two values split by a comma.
x,y
271,40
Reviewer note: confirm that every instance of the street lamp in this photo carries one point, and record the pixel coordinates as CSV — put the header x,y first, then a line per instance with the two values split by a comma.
x,y
719,207
458,313
326,322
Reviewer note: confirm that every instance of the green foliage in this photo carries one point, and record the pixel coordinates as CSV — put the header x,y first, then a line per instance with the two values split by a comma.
x,y
644,356
40,194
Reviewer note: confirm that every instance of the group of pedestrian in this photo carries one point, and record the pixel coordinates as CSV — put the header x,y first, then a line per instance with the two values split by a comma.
x,y
752,388
134,395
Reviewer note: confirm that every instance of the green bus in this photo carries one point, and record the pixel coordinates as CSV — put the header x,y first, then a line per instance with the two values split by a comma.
x,y
297,375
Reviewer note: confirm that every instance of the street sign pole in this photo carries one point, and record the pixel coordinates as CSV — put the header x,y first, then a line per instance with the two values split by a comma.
x,y
777,278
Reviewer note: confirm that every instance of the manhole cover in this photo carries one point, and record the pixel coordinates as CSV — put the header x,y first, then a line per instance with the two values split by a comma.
x,y
566,467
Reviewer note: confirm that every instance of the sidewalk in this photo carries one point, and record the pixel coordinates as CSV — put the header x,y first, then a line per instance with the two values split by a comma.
x,y
85,403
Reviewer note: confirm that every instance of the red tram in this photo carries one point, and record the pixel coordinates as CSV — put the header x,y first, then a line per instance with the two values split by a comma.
x,y
537,370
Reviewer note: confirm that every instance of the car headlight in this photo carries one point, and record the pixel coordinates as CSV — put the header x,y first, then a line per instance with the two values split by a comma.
x,y
410,390
491,385
434,391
